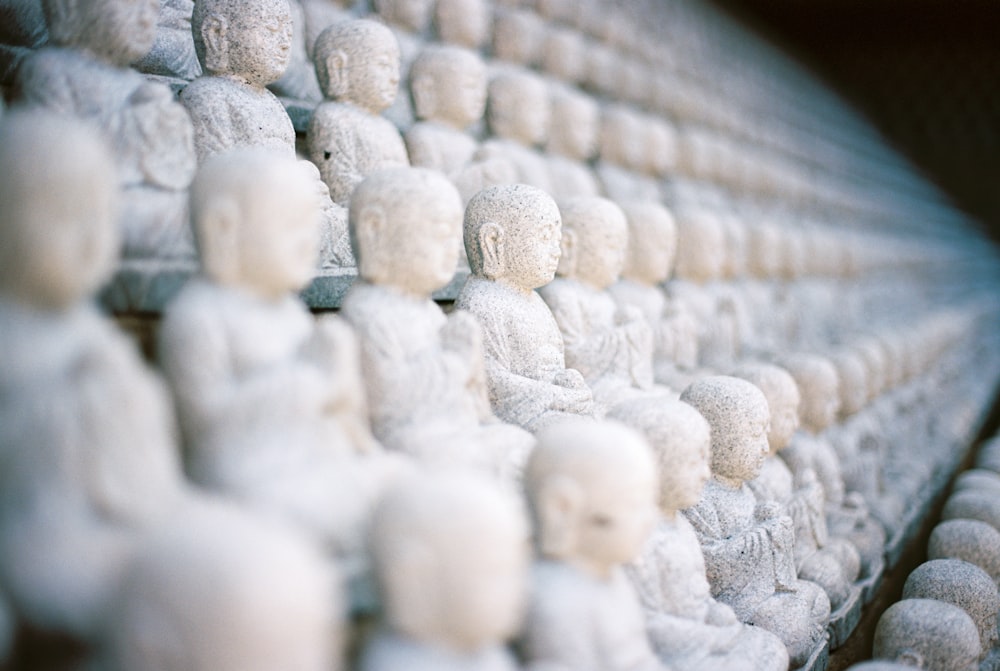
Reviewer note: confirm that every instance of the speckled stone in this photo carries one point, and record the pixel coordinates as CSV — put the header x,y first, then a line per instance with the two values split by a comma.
x,y
928,634
973,505
971,540
979,480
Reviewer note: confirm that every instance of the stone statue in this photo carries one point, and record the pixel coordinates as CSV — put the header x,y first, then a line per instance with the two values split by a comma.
x,y
519,115
927,634
270,400
225,592
463,23
409,21
571,144
230,106
512,238
970,540
972,505
612,346
87,436
299,81
688,629
622,162
846,512
85,74
172,54
452,566
449,95
749,546
358,67
423,370
564,54
591,490
832,563
518,36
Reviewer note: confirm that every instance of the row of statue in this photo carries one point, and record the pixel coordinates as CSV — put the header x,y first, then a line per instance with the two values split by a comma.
x,y
388,446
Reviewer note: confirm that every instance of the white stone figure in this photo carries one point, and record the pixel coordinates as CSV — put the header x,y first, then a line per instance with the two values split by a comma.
x,y
749,546
299,81
519,115
358,67
87,436
611,345
564,54
832,563
451,559
243,45
661,147
423,370
927,634
463,23
970,540
601,68
85,74
172,53
512,238
688,629
964,585
409,21
592,490
222,591
449,95
270,400
518,36
572,142
622,163
846,512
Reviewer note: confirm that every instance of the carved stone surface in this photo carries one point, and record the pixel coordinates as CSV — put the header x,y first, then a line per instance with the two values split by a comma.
x,y
927,634
970,540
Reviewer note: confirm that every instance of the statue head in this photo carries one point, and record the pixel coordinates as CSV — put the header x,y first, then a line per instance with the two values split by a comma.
x,y
818,386
573,127
764,254
621,138
592,491
782,396
973,541
738,414
594,241
928,634
59,235
652,242
413,16
518,35
512,233
853,377
463,23
119,32
518,107
451,554
406,228
700,247
661,147
449,85
564,54
681,440
358,62
255,215
251,39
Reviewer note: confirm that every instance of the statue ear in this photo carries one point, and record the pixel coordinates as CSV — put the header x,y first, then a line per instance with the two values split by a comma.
x,y
560,504
910,657
491,245
213,36
336,72
424,96
567,256
219,241
369,230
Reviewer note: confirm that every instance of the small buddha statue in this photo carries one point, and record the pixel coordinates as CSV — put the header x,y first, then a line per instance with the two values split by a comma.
x,y
591,490
357,63
749,546
85,73
512,235
518,36
519,116
688,629
572,142
452,566
564,54
927,634
622,161
463,23
423,369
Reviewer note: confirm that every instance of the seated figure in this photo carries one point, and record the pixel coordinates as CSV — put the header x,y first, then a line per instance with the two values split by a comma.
x,y
688,629
571,144
87,436
243,45
846,512
270,400
512,237
927,634
591,490
749,546
449,95
452,567
611,345
832,563
423,370
85,74
358,67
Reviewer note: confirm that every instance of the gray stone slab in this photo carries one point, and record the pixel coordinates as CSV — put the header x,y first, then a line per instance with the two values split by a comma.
x,y
845,620
819,659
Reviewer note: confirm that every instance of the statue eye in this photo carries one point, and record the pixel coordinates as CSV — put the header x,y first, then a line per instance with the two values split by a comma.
x,y
599,520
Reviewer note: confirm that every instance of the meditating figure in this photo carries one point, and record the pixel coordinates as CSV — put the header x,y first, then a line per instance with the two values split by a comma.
x,y
749,546
519,117
571,144
512,235
452,568
591,490
689,630
358,67
423,369
85,73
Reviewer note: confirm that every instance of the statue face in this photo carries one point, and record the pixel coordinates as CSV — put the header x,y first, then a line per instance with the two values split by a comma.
x,y
131,24
618,516
601,254
574,129
463,22
374,74
470,92
684,479
259,40
430,254
521,112
784,422
742,452
532,248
